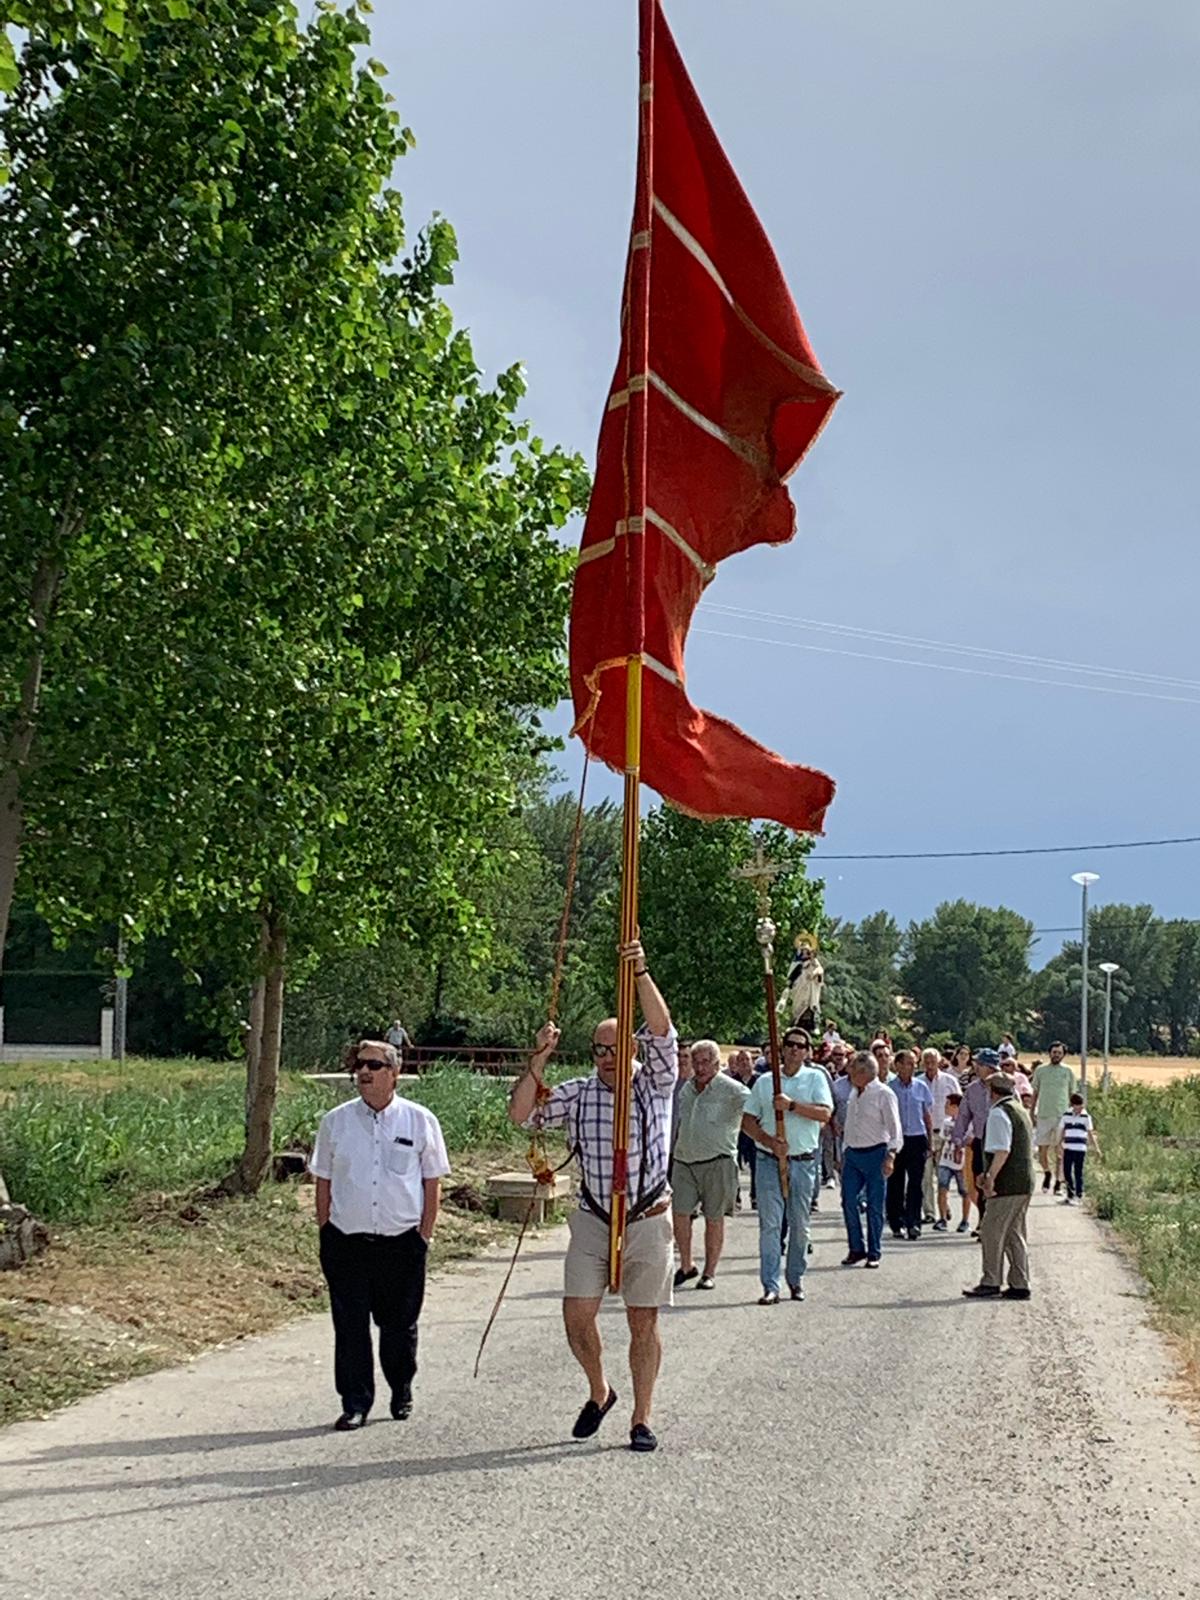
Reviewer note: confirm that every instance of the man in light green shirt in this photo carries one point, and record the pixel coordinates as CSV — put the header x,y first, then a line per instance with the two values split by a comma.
x,y
1053,1086
807,1104
704,1174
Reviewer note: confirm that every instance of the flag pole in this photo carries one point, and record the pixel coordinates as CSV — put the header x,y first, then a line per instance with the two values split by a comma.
x,y
638,379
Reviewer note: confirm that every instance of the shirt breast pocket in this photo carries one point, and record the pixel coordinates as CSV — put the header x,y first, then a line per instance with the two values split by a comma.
x,y
402,1160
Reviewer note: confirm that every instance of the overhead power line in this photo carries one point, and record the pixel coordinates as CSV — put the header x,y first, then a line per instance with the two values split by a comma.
x,y
948,647
946,666
1029,850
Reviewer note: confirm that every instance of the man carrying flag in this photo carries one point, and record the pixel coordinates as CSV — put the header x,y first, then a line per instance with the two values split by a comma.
x,y
585,1108
716,399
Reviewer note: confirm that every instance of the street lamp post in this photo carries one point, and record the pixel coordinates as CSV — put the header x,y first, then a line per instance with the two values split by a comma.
x,y
1085,881
1107,968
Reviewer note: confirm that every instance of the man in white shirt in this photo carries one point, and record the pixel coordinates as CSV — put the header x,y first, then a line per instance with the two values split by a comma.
x,y
378,1162
872,1138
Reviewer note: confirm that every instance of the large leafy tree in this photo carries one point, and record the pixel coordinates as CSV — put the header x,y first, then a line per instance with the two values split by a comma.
x,y
698,919
187,249
323,630
966,965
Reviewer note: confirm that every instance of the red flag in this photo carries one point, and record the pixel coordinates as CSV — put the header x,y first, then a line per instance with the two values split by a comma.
x,y
733,398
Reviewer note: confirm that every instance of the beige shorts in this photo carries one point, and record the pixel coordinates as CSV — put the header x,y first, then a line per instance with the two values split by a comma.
x,y
707,1186
647,1267
1046,1132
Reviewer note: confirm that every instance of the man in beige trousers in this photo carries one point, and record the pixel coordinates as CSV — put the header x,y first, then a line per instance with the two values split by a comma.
x,y
1007,1185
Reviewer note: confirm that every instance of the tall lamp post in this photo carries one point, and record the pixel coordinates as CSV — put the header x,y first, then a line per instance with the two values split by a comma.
x,y
1085,881
1107,968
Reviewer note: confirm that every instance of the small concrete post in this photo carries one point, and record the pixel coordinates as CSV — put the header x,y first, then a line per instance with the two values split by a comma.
x,y
106,1034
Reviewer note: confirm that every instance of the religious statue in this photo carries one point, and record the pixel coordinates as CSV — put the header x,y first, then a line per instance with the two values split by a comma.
x,y
805,981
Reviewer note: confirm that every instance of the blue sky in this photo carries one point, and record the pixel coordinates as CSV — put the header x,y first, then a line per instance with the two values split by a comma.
x,y
990,219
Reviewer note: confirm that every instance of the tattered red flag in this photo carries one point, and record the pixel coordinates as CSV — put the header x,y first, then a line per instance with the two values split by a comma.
x,y
734,397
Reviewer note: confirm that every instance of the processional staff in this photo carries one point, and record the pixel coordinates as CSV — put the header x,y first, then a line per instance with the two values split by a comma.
x,y
762,873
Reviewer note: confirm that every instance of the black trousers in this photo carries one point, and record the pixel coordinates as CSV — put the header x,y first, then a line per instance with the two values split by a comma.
x,y
904,1202
373,1276
1073,1172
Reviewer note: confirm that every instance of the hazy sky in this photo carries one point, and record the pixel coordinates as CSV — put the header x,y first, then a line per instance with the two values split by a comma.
x,y
990,219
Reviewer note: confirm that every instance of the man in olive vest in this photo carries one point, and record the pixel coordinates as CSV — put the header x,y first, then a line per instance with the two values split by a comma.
x,y
1007,1186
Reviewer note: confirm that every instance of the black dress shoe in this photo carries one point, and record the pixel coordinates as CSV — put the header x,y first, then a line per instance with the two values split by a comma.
x,y
797,1291
983,1291
642,1439
401,1407
914,1233
592,1415
1016,1294
350,1421
853,1259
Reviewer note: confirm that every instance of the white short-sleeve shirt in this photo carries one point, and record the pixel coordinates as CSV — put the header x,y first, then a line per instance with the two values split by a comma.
x,y
377,1162
998,1134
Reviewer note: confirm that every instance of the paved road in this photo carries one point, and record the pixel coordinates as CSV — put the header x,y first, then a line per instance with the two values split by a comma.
x,y
884,1438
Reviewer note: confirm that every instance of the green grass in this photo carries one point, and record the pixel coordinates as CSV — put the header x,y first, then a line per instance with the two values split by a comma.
x,y
79,1145
117,1161
1148,1187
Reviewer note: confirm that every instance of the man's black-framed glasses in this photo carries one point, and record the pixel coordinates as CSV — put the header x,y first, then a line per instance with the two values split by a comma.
x,y
603,1049
372,1064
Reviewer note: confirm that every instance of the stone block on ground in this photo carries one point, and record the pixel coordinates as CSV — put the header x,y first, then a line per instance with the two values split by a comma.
x,y
513,1191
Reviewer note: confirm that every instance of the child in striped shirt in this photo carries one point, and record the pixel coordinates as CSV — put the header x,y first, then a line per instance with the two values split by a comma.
x,y
1075,1134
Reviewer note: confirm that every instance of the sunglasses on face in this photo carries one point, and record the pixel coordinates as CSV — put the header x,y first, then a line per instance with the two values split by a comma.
x,y
372,1065
604,1049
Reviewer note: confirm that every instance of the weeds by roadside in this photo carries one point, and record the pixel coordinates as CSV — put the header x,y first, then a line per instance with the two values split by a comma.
x,y
1148,1187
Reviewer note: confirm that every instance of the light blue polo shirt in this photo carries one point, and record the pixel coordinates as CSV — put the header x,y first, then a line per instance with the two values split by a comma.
x,y
810,1085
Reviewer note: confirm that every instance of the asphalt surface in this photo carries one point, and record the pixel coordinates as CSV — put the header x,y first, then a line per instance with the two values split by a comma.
x,y
884,1438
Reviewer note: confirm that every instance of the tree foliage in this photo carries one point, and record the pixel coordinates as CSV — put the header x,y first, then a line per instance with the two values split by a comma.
x,y
966,964
698,920
288,591
861,984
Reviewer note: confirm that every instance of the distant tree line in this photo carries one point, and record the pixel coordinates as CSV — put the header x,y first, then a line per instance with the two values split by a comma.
x,y
965,973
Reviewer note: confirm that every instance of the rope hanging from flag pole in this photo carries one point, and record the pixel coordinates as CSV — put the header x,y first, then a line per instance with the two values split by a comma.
x,y
537,1157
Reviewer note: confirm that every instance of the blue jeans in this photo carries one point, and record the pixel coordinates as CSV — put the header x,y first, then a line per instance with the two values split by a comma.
x,y
863,1169
802,1179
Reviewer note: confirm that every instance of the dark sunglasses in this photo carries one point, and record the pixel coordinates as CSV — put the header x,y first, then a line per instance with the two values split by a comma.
x,y
796,1044
604,1049
372,1065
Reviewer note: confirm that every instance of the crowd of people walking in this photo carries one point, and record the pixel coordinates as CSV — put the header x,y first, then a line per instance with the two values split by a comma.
x,y
900,1132
903,1133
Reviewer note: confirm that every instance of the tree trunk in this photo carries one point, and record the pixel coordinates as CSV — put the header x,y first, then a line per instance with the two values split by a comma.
x,y
254,1032
247,1177
20,740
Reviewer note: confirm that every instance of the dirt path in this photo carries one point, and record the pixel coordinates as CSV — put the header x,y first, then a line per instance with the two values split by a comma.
x,y
886,1437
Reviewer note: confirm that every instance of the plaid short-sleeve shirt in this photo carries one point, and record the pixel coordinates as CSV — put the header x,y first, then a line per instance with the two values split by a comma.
x,y
584,1107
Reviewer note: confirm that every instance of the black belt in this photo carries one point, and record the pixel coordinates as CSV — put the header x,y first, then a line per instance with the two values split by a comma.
x,y
809,1155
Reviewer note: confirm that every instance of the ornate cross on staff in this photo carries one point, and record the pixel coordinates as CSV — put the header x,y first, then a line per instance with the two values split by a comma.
x,y
762,874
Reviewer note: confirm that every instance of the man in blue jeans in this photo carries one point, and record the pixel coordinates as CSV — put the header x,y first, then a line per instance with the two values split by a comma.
x,y
872,1138
807,1104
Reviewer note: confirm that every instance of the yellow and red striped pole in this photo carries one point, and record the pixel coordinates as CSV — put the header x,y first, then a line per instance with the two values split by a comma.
x,y
636,481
